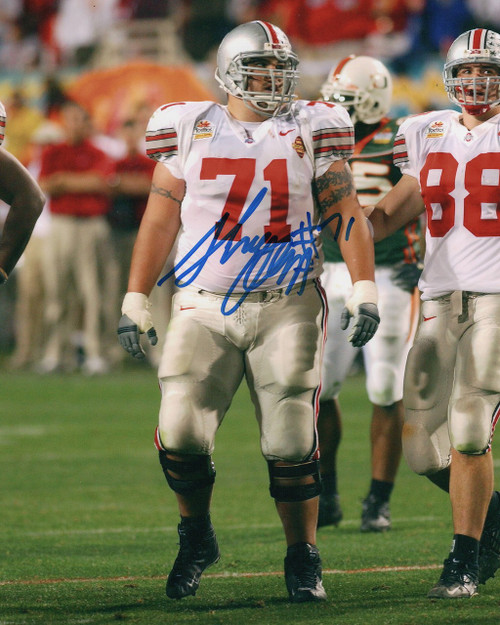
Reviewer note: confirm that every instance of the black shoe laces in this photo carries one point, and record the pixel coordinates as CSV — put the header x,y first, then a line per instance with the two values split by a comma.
x,y
306,571
458,572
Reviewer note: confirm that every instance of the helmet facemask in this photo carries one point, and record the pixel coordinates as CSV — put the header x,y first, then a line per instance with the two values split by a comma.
x,y
278,83
475,94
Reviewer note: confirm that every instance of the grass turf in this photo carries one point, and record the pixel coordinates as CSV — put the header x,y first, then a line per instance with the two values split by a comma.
x,y
88,526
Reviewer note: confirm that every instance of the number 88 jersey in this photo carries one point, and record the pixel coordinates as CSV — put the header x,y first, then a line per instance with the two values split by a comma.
x,y
459,175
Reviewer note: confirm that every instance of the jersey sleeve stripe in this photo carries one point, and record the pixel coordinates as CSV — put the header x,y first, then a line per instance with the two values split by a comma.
x,y
400,153
333,140
162,141
2,128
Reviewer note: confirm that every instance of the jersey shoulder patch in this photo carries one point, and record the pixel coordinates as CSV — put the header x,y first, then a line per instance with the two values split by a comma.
x,y
416,129
166,125
331,128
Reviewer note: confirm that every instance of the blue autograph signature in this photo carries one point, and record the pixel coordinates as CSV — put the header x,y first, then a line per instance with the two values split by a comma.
x,y
266,258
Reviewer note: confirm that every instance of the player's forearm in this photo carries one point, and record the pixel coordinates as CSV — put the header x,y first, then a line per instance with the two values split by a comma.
x,y
153,245
382,224
358,253
25,209
399,207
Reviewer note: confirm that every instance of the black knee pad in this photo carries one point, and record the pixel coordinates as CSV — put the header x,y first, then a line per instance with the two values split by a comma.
x,y
200,465
294,490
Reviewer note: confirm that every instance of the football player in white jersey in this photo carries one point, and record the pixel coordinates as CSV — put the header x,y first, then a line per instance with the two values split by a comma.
x,y
450,162
21,192
363,85
249,186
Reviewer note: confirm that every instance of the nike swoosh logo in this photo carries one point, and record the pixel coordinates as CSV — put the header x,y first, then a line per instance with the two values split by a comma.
x,y
282,134
429,318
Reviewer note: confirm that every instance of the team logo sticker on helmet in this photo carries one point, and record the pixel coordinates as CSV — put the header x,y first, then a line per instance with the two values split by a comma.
x,y
436,129
204,129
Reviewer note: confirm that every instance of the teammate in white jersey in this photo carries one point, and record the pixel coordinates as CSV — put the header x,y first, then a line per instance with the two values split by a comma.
x,y
249,186
451,170
21,192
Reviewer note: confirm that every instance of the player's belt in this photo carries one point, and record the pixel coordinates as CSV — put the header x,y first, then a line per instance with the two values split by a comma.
x,y
465,297
262,296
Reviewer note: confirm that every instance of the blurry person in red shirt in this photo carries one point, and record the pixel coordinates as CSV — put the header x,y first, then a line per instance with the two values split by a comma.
x,y
75,176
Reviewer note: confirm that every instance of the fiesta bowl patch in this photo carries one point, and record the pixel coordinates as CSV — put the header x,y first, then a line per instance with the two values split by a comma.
x,y
203,130
436,129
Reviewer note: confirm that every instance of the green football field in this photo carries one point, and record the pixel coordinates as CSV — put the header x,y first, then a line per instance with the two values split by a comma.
x,y
88,525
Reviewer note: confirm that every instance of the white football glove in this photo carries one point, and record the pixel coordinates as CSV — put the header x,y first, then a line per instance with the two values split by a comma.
x,y
362,305
136,319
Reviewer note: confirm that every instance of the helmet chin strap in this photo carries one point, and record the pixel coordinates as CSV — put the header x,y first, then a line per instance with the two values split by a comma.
x,y
256,108
476,109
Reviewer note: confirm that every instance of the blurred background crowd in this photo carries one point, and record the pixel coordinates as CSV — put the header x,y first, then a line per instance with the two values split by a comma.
x,y
91,72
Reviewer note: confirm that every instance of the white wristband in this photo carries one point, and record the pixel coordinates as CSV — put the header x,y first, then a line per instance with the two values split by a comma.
x,y
136,306
363,292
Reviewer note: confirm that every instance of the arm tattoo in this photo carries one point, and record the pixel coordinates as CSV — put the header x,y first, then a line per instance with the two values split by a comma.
x,y
332,187
165,193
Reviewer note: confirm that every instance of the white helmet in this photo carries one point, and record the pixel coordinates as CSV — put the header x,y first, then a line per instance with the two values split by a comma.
x,y
474,46
363,85
250,42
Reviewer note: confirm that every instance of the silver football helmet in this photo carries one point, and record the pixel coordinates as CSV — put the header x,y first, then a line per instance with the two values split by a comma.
x,y
475,94
362,85
243,54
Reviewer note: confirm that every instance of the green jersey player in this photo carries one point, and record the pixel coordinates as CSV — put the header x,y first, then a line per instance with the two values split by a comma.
x,y
363,85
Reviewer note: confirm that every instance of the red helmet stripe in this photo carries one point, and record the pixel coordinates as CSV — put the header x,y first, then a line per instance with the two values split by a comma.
x,y
478,38
342,63
271,32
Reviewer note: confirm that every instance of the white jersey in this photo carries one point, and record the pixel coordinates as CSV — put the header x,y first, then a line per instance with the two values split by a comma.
x,y
459,175
248,216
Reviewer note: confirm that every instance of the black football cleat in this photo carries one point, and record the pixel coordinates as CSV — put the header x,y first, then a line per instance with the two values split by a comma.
x,y
303,573
375,515
197,551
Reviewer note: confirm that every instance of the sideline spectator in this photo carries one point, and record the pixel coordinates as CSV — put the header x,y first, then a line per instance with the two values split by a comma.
x,y
79,25
485,12
29,326
204,25
75,175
